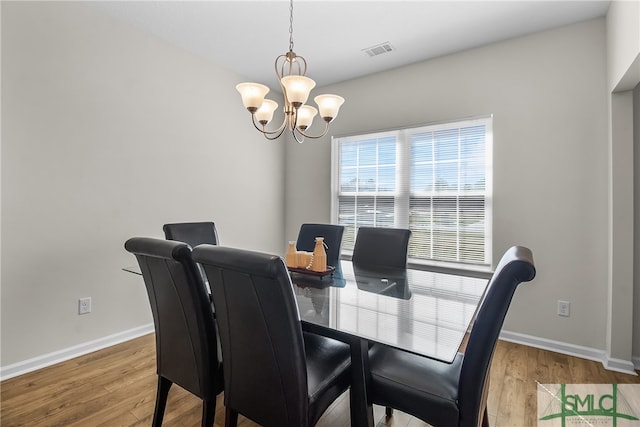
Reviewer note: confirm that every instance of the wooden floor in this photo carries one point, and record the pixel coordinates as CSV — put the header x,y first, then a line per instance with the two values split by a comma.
x,y
116,387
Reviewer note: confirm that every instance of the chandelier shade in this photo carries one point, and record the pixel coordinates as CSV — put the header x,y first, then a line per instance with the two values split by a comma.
x,y
252,94
265,111
306,113
296,87
329,106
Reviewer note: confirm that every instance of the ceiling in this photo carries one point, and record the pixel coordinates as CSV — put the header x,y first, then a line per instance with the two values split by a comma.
x,y
246,36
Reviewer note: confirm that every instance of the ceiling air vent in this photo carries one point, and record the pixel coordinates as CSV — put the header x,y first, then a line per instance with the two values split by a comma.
x,y
378,49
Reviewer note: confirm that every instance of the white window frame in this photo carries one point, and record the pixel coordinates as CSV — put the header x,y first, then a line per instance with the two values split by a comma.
x,y
402,194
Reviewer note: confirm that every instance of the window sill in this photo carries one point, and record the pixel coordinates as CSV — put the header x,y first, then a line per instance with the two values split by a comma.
x,y
483,272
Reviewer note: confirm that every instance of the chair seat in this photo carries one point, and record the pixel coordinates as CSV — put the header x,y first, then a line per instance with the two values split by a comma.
x,y
328,373
423,387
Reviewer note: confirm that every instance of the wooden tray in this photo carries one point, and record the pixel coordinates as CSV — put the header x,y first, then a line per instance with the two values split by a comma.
x,y
330,270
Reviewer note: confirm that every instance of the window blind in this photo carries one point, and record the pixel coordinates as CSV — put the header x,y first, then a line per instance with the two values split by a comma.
x,y
433,179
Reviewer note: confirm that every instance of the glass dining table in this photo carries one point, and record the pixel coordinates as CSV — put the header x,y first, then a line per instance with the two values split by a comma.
x,y
423,312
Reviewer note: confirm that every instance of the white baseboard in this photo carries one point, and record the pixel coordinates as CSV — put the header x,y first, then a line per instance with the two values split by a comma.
x,y
618,365
49,359
13,370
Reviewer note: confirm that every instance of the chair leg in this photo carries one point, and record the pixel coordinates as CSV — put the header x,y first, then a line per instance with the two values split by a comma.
x,y
388,412
208,412
161,400
485,418
230,418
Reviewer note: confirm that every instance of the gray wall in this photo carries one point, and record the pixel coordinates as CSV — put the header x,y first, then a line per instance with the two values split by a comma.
x,y
548,95
100,121
108,133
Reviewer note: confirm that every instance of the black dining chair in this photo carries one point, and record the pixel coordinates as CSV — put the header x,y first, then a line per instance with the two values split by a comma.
x,y
279,376
381,247
186,340
192,233
451,394
377,247
332,238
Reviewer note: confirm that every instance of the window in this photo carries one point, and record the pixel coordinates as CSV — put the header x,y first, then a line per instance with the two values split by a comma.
x,y
434,180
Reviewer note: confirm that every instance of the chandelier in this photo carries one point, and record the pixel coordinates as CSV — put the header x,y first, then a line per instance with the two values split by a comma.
x,y
291,70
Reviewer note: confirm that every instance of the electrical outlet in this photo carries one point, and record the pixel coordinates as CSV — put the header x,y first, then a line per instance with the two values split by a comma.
x,y
564,308
84,305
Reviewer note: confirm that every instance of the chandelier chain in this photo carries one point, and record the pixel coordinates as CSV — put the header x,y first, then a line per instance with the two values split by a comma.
x,y
291,26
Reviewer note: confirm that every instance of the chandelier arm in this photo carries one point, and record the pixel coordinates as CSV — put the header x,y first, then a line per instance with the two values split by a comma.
x,y
304,62
280,73
326,129
273,138
295,136
267,132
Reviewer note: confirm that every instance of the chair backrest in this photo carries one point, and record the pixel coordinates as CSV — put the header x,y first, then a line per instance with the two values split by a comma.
x,y
186,340
192,233
515,267
260,333
383,247
332,238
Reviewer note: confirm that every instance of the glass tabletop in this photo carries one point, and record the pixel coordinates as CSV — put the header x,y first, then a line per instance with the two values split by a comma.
x,y
424,312
135,269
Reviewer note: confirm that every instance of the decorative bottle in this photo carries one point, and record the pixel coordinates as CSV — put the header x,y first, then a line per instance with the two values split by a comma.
x,y
291,257
319,256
